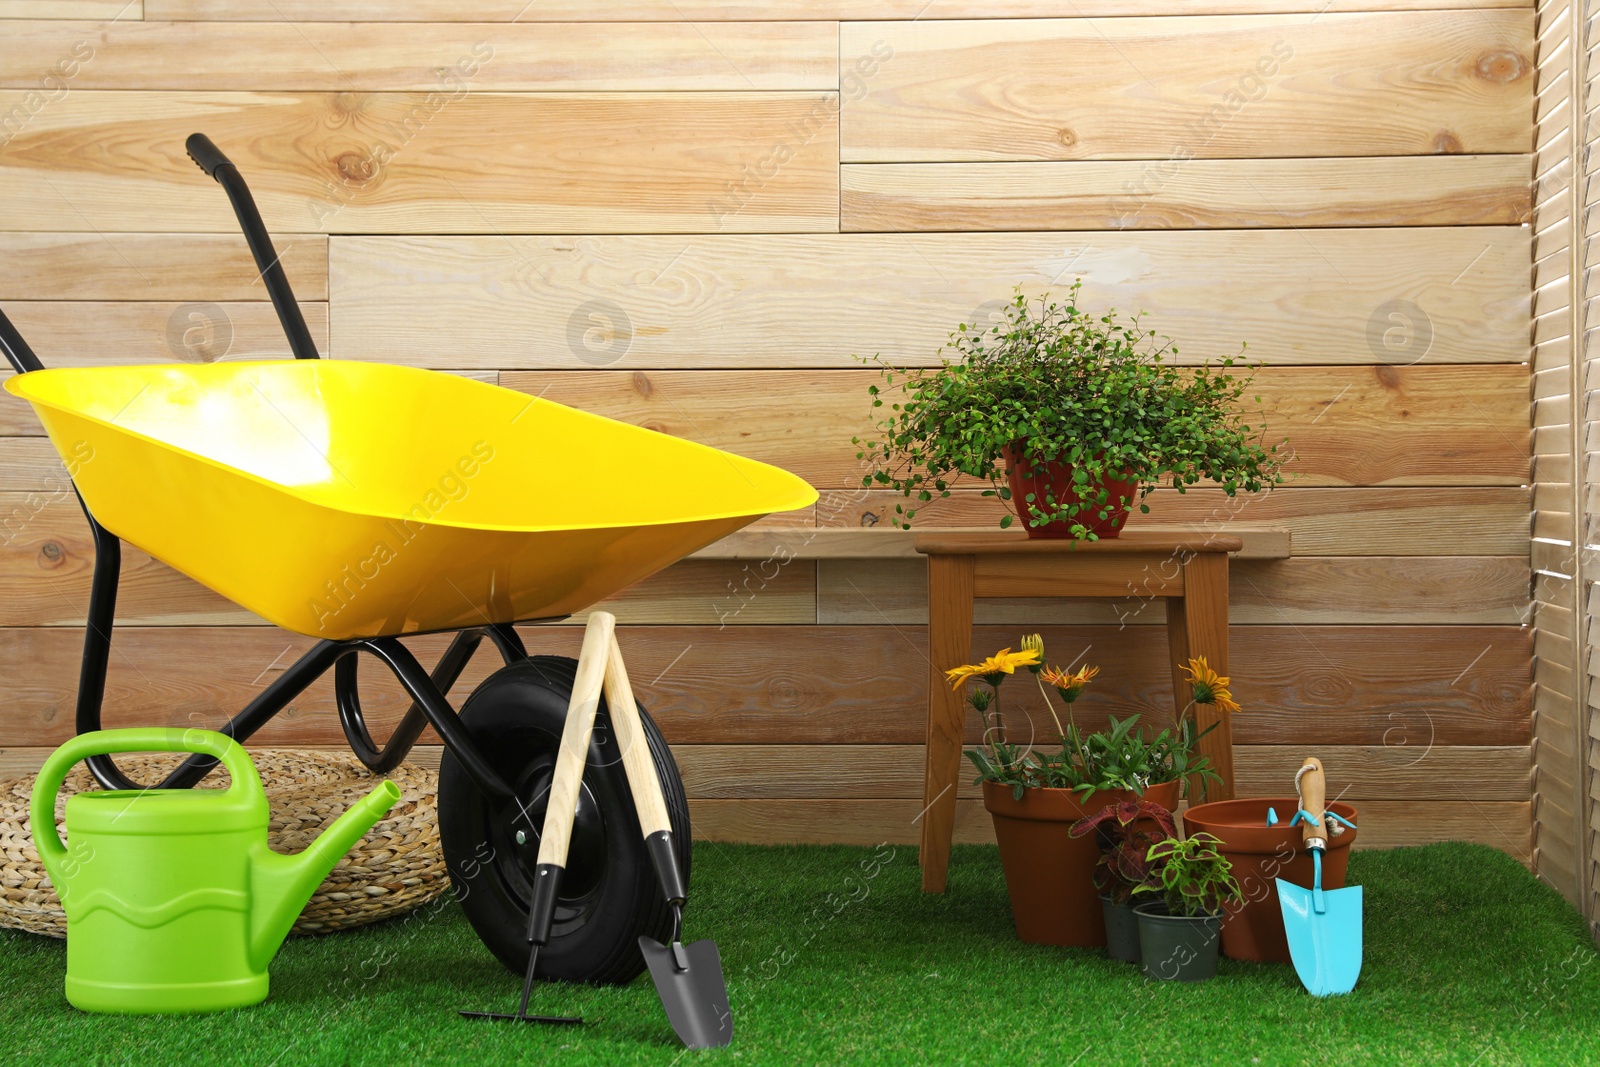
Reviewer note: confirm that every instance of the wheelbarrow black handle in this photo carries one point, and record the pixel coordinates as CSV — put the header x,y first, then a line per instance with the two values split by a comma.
x,y
210,159
207,156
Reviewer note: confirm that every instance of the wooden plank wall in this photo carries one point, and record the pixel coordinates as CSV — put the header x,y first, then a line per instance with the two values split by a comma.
x,y
693,214
1562,533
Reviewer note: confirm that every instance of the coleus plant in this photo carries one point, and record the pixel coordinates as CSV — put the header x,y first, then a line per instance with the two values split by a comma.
x,y
1126,836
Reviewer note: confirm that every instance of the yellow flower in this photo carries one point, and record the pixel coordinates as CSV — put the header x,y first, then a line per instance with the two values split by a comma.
x,y
1035,644
994,669
1209,686
1070,683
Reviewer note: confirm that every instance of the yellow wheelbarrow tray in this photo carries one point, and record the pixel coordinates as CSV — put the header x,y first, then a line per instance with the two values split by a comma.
x,y
357,502
348,499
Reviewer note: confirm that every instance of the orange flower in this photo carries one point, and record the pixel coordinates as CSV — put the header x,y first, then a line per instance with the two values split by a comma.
x,y
1069,683
1209,687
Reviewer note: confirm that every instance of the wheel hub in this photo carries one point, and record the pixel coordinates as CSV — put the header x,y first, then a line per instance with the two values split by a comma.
x,y
586,853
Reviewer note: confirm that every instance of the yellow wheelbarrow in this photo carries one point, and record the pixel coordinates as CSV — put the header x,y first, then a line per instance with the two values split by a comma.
x,y
359,502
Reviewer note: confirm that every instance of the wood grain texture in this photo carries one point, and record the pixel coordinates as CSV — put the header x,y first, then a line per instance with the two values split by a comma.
x,y
1321,685
951,586
894,772
71,9
1315,590
1191,87
677,10
152,266
1255,542
1306,296
362,56
719,770
47,557
1196,194
1506,825
81,333
1345,425
1322,522
355,162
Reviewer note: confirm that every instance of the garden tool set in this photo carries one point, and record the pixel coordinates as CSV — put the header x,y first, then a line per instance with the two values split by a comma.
x,y
355,502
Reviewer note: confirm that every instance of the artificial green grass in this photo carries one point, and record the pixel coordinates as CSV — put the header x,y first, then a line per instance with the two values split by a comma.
x,y
1469,960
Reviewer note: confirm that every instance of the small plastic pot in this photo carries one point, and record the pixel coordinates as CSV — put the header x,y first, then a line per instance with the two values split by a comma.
x,y
1177,948
1122,930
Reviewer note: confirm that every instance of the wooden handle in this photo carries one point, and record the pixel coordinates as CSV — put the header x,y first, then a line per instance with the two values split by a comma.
x,y
574,753
1313,789
636,759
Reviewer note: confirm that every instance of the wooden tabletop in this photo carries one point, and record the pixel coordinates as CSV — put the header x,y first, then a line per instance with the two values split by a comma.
x,y
810,542
1161,539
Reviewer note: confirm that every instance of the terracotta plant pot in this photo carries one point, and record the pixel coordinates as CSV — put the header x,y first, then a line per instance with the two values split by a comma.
x,y
1177,948
1122,930
1056,478
1260,853
1050,873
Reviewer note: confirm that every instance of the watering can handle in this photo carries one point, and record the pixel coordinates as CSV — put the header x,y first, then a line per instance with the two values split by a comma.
x,y
1313,789
42,810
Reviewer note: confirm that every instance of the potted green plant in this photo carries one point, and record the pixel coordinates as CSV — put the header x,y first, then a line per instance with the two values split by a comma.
x,y
1035,793
1178,932
1070,417
1124,832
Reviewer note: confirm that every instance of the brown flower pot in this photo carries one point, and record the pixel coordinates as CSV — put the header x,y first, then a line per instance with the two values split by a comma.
x,y
1056,478
1049,873
1260,853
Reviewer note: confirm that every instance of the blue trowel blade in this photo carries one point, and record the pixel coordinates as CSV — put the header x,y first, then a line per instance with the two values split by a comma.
x,y
1325,947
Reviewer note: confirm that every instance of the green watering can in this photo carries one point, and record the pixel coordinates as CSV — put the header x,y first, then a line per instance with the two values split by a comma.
x,y
174,902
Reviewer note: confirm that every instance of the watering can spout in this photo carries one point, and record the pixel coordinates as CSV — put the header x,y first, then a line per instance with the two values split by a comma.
x,y
281,885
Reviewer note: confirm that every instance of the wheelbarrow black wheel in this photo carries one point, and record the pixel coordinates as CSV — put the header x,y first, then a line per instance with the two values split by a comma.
x,y
609,893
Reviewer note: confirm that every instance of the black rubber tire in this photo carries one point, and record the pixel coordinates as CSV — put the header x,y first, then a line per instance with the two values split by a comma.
x,y
609,892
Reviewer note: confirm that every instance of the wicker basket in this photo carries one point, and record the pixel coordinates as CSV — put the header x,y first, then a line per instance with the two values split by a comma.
x,y
396,868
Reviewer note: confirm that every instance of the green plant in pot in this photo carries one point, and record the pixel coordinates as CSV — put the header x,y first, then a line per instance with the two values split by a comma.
x,y
1179,930
1070,417
1125,833
1035,792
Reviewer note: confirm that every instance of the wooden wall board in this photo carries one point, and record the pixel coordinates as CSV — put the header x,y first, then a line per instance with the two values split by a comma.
x,y
354,162
1345,425
894,772
1473,521
82,10
152,266
47,557
1199,194
1191,87
81,333
677,10
1505,825
790,301
1398,686
449,58
1305,590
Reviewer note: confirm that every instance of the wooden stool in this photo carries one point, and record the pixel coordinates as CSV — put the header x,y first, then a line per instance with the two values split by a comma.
x,y
1188,568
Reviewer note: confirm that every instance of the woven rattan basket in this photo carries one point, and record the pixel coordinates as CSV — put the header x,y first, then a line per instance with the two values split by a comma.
x,y
396,868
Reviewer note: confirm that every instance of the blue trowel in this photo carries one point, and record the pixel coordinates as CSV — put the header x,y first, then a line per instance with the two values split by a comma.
x,y
1324,925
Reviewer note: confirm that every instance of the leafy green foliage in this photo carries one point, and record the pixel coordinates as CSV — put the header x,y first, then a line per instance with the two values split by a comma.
x,y
1192,876
1060,385
1120,757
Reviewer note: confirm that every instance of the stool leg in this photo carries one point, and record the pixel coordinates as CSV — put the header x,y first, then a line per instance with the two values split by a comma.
x,y
950,588
1197,625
